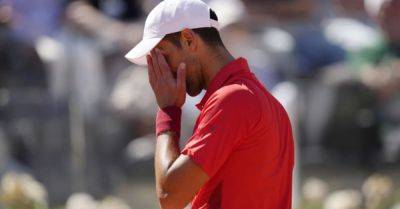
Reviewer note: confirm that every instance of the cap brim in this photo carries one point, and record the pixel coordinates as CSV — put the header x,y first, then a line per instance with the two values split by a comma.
x,y
138,54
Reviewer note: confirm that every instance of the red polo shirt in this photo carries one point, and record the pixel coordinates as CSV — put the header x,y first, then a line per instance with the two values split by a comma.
x,y
243,140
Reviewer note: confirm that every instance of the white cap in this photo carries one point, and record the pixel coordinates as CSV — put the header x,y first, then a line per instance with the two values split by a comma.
x,y
170,16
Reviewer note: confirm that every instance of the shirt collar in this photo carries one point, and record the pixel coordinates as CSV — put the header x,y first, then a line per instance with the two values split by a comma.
x,y
231,69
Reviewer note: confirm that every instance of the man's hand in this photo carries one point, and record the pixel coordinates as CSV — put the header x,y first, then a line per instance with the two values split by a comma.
x,y
168,90
177,178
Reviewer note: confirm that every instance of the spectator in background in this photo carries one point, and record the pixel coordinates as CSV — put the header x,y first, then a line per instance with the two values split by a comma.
x,y
126,10
114,23
349,25
85,67
341,113
33,19
340,116
23,92
365,115
385,51
379,68
46,132
308,50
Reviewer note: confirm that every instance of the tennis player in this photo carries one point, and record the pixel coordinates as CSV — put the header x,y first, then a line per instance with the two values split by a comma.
x,y
240,155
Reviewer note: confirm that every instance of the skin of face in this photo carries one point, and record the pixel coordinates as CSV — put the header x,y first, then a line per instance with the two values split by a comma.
x,y
389,17
175,55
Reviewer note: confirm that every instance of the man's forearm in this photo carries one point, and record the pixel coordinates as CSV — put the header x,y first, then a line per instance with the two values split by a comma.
x,y
167,146
167,151
178,178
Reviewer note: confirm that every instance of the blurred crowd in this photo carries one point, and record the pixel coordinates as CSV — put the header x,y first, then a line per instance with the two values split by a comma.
x,y
377,191
76,119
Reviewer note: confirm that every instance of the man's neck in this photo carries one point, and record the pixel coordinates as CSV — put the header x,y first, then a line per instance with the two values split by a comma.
x,y
214,64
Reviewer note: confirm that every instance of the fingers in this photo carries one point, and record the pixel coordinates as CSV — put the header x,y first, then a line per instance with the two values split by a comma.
x,y
156,66
181,78
164,67
150,71
167,90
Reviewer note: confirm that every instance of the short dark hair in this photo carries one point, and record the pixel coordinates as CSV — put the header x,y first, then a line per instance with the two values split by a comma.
x,y
209,35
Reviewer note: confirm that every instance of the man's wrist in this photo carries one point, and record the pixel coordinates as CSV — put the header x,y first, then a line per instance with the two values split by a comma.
x,y
169,120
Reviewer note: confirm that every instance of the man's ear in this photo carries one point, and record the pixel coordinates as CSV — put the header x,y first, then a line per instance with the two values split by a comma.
x,y
189,40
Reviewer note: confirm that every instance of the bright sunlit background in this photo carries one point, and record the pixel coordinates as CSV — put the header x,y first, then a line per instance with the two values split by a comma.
x,y
77,119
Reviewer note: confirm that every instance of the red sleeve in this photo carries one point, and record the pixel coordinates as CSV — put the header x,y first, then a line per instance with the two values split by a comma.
x,y
223,123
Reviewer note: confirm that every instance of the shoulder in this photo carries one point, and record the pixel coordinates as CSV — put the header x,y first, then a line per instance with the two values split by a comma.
x,y
233,97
